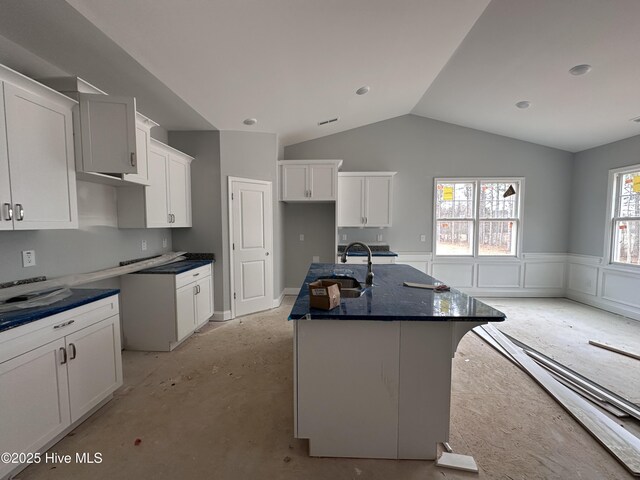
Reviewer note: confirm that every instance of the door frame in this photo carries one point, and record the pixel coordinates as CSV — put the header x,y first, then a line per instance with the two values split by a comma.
x,y
230,181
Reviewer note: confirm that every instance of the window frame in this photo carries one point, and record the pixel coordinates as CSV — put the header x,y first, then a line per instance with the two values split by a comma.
x,y
613,199
477,181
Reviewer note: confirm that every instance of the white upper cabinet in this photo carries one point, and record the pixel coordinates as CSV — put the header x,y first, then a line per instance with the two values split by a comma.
x,y
309,180
166,200
107,134
365,199
112,138
37,174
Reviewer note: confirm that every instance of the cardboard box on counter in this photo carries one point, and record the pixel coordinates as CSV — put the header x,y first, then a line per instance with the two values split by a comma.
x,y
324,294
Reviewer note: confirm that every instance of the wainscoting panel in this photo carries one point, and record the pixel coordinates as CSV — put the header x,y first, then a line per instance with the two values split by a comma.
x,y
499,275
583,278
454,274
544,275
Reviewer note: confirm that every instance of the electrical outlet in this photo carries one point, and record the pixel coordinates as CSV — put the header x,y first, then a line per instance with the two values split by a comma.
x,y
28,258
379,237
423,238
143,245
344,236
302,237
164,243
316,259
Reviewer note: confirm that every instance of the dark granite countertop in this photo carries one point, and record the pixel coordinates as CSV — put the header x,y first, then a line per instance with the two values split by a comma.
x,y
79,296
175,267
388,299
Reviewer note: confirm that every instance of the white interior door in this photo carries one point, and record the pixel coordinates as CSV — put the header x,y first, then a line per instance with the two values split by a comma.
x,y
252,242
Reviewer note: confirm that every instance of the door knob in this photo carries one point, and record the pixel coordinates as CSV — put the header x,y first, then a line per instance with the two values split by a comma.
x,y
266,254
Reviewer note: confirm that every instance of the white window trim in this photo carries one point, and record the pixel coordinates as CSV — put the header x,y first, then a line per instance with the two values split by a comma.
x,y
612,199
476,219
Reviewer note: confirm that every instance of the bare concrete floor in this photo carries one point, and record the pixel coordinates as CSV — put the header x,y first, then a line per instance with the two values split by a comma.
x,y
220,407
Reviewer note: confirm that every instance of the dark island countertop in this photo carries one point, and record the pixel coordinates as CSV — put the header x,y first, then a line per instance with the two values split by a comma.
x,y
390,300
175,268
79,297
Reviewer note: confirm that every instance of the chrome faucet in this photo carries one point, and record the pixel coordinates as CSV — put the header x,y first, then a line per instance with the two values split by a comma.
x,y
369,281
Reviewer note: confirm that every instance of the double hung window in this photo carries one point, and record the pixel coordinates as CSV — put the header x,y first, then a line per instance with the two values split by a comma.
x,y
625,221
477,217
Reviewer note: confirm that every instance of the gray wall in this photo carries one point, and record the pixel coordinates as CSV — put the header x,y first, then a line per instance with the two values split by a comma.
x,y
316,221
589,192
205,235
97,244
249,155
420,149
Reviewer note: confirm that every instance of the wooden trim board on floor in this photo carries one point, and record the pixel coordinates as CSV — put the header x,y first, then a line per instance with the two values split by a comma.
x,y
614,349
622,444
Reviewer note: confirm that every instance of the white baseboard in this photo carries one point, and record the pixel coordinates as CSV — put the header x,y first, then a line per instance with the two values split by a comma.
x,y
278,301
221,316
291,291
629,312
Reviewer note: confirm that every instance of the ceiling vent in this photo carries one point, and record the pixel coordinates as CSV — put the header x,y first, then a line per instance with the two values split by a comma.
x,y
325,122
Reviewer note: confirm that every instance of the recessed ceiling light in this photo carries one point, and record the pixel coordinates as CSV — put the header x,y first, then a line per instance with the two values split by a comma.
x,y
636,120
523,104
250,121
363,90
580,69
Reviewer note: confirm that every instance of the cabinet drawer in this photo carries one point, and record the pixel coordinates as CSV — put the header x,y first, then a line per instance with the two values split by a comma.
x,y
186,278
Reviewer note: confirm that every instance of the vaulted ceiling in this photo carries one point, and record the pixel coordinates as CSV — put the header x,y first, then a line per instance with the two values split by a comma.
x,y
291,64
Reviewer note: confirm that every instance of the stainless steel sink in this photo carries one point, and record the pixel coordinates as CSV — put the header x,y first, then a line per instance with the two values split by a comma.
x,y
349,286
344,281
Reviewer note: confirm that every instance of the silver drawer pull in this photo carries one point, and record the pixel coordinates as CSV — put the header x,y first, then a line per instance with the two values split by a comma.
x,y
20,212
196,274
8,211
64,324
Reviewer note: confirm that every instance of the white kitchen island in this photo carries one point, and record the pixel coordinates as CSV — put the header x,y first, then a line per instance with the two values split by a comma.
x,y
372,377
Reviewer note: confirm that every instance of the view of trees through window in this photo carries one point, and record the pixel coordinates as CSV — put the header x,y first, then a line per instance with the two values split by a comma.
x,y
626,221
493,225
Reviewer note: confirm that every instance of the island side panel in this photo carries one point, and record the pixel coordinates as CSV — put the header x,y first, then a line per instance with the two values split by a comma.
x,y
347,386
425,388
426,353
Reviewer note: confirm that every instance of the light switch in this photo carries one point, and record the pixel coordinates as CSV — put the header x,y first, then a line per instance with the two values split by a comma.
x,y
316,259
379,237
344,236
423,238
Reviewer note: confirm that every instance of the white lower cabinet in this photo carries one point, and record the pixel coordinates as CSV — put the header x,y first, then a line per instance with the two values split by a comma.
x,y
161,310
53,372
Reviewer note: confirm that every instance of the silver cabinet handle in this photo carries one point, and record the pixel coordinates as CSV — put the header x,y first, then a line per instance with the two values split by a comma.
x,y
64,324
173,218
198,288
8,211
365,220
63,351
132,159
72,347
20,211
195,289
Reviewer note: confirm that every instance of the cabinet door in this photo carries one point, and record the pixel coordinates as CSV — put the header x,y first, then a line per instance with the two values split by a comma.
x,y
377,211
179,192
350,201
185,310
204,300
94,365
108,129
156,194
142,154
40,151
6,223
294,182
322,182
34,402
